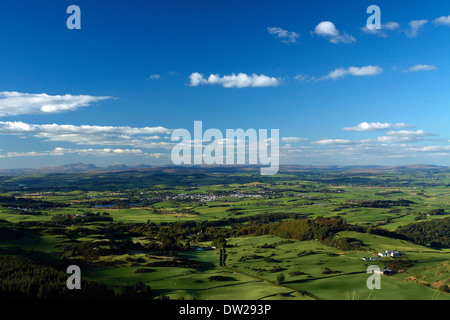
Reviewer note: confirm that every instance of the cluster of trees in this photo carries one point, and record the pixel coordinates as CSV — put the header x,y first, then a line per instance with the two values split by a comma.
x,y
85,217
308,229
435,232
31,204
298,229
93,250
24,278
219,242
436,212
344,243
177,262
385,233
378,203
137,291
178,235
322,229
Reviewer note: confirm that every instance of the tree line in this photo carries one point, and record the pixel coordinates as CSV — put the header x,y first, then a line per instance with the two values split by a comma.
x,y
434,232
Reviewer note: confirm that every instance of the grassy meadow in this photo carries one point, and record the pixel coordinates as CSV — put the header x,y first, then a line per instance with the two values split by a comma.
x,y
139,209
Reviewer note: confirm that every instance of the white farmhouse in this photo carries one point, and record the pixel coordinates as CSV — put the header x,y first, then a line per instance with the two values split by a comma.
x,y
389,253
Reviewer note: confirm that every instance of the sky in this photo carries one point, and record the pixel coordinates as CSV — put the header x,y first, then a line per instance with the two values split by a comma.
x,y
113,91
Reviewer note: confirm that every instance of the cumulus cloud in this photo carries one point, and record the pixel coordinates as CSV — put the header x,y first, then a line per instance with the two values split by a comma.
x,y
87,134
63,151
292,139
333,142
389,26
408,133
392,25
399,139
154,76
240,80
286,36
101,152
404,136
376,126
353,71
414,27
394,144
328,30
16,103
421,67
431,149
444,21
339,73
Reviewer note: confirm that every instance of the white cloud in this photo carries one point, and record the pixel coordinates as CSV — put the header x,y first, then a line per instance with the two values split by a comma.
x,y
328,30
380,150
394,144
431,148
408,133
414,27
158,155
293,139
25,154
376,126
63,151
378,32
302,77
16,103
390,26
154,76
421,67
240,80
196,79
404,136
103,152
87,134
338,73
391,139
444,21
286,36
333,142
353,71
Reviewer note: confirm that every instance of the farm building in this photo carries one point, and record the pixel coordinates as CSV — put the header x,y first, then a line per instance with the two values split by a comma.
x,y
384,271
369,259
389,253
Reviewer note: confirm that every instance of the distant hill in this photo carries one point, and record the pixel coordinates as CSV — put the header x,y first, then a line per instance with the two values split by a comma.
x,y
362,168
86,168
73,168
415,167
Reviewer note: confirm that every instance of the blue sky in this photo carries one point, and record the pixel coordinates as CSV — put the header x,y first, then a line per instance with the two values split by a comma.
x,y
113,91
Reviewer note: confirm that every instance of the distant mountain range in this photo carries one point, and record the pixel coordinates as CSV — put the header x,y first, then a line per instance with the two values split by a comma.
x,y
74,168
86,168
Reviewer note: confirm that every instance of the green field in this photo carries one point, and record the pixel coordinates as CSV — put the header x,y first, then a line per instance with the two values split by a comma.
x,y
117,224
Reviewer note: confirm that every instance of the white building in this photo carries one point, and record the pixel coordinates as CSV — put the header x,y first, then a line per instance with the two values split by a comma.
x,y
390,253
384,271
